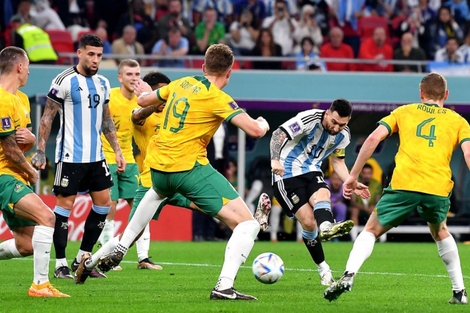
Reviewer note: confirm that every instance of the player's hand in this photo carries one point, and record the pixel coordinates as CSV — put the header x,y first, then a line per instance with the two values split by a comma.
x,y
263,124
24,136
33,177
121,163
39,160
349,185
140,87
277,168
362,191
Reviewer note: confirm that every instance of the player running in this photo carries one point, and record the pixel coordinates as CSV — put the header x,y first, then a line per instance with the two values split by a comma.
x,y
298,148
177,157
421,181
30,220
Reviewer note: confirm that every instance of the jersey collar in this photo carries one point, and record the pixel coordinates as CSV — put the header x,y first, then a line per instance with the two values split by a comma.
x,y
431,104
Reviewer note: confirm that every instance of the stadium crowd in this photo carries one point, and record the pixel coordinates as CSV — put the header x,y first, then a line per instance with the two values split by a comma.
x,y
363,29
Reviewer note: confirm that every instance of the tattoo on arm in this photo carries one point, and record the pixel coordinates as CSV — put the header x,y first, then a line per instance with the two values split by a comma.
x,y
45,125
14,153
138,117
277,140
109,130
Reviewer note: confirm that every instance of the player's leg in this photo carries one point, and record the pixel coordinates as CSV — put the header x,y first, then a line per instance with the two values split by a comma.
x,y
108,229
275,219
62,211
354,214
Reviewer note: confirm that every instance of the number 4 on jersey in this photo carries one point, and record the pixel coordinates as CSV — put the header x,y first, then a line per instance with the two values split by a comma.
x,y
432,131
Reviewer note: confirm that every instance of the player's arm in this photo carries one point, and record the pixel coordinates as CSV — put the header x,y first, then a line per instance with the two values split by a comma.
x,y
139,116
14,154
466,152
278,139
253,128
340,167
150,98
50,111
25,137
109,131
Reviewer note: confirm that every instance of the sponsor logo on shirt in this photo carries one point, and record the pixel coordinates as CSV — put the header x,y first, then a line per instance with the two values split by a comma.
x,y
234,105
295,128
54,91
6,123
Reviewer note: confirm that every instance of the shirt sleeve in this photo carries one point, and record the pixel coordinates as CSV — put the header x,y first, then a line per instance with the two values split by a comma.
x,y
59,90
8,117
226,107
158,46
391,121
164,92
464,131
107,91
301,123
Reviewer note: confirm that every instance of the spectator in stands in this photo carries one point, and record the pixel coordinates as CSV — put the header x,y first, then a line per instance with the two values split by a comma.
x,y
321,14
209,31
282,27
308,27
127,44
266,47
450,53
446,27
337,49
408,52
34,41
292,7
244,33
420,25
175,18
464,49
459,10
223,8
46,17
109,11
23,13
257,8
74,12
173,45
376,48
103,35
310,58
162,8
338,203
359,205
145,29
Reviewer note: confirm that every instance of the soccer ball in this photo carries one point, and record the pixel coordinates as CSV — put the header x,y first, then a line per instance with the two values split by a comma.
x,y
268,268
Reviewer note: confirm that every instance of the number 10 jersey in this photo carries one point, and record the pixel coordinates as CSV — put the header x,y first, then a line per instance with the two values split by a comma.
x,y
82,100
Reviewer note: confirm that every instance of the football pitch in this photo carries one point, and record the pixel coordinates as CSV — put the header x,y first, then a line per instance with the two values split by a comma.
x,y
398,277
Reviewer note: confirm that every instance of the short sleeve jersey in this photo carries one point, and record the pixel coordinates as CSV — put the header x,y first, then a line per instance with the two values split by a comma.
x,y
14,113
194,110
121,112
428,136
82,100
308,144
142,136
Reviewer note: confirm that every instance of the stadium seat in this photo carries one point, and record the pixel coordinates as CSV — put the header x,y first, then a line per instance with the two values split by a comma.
x,y
62,42
367,25
80,34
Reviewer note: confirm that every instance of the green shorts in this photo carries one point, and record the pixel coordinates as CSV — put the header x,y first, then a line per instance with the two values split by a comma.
x,y
203,185
11,191
125,183
396,205
176,200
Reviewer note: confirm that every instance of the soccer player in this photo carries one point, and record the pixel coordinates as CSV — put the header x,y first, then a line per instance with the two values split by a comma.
x,y
298,148
30,220
196,106
82,98
122,101
421,181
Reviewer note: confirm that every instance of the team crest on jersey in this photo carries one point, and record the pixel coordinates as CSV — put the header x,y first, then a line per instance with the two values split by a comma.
x,y
336,151
295,127
64,182
18,187
6,123
233,105
295,198
54,91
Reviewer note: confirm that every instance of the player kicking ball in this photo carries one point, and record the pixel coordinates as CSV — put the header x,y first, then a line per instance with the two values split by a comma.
x,y
421,181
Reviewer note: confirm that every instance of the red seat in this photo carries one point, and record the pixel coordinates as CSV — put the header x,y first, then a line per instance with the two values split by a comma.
x,y
85,32
62,42
367,25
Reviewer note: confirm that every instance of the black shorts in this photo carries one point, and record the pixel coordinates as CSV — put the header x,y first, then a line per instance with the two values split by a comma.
x,y
292,193
71,178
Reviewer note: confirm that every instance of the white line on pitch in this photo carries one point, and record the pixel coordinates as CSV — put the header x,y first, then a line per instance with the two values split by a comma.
x,y
287,269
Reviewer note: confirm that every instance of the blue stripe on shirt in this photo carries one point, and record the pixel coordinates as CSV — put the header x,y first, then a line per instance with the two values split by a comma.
x,y
103,83
338,140
77,120
296,152
317,149
94,107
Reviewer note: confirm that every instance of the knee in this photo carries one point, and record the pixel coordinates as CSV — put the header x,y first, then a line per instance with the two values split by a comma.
x,y
309,225
440,234
46,216
25,247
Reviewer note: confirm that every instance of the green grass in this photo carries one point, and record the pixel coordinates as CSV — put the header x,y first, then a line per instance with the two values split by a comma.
x,y
397,277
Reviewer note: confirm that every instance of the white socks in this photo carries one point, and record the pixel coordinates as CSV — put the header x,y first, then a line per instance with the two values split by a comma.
x,y
42,243
238,248
450,255
107,233
79,255
143,244
61,262
274,219
142,216
106,249
8,250
362,249
354,232
323,267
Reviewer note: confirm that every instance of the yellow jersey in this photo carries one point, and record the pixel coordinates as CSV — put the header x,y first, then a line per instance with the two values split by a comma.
x,y
14,114
142,135
428,136
121,112
194,110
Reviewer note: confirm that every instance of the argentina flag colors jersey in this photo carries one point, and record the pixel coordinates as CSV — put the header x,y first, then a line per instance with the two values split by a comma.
x,y
81,101
309,144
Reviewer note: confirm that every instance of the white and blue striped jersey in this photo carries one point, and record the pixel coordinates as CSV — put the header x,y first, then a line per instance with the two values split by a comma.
x,y
81,99
308,144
